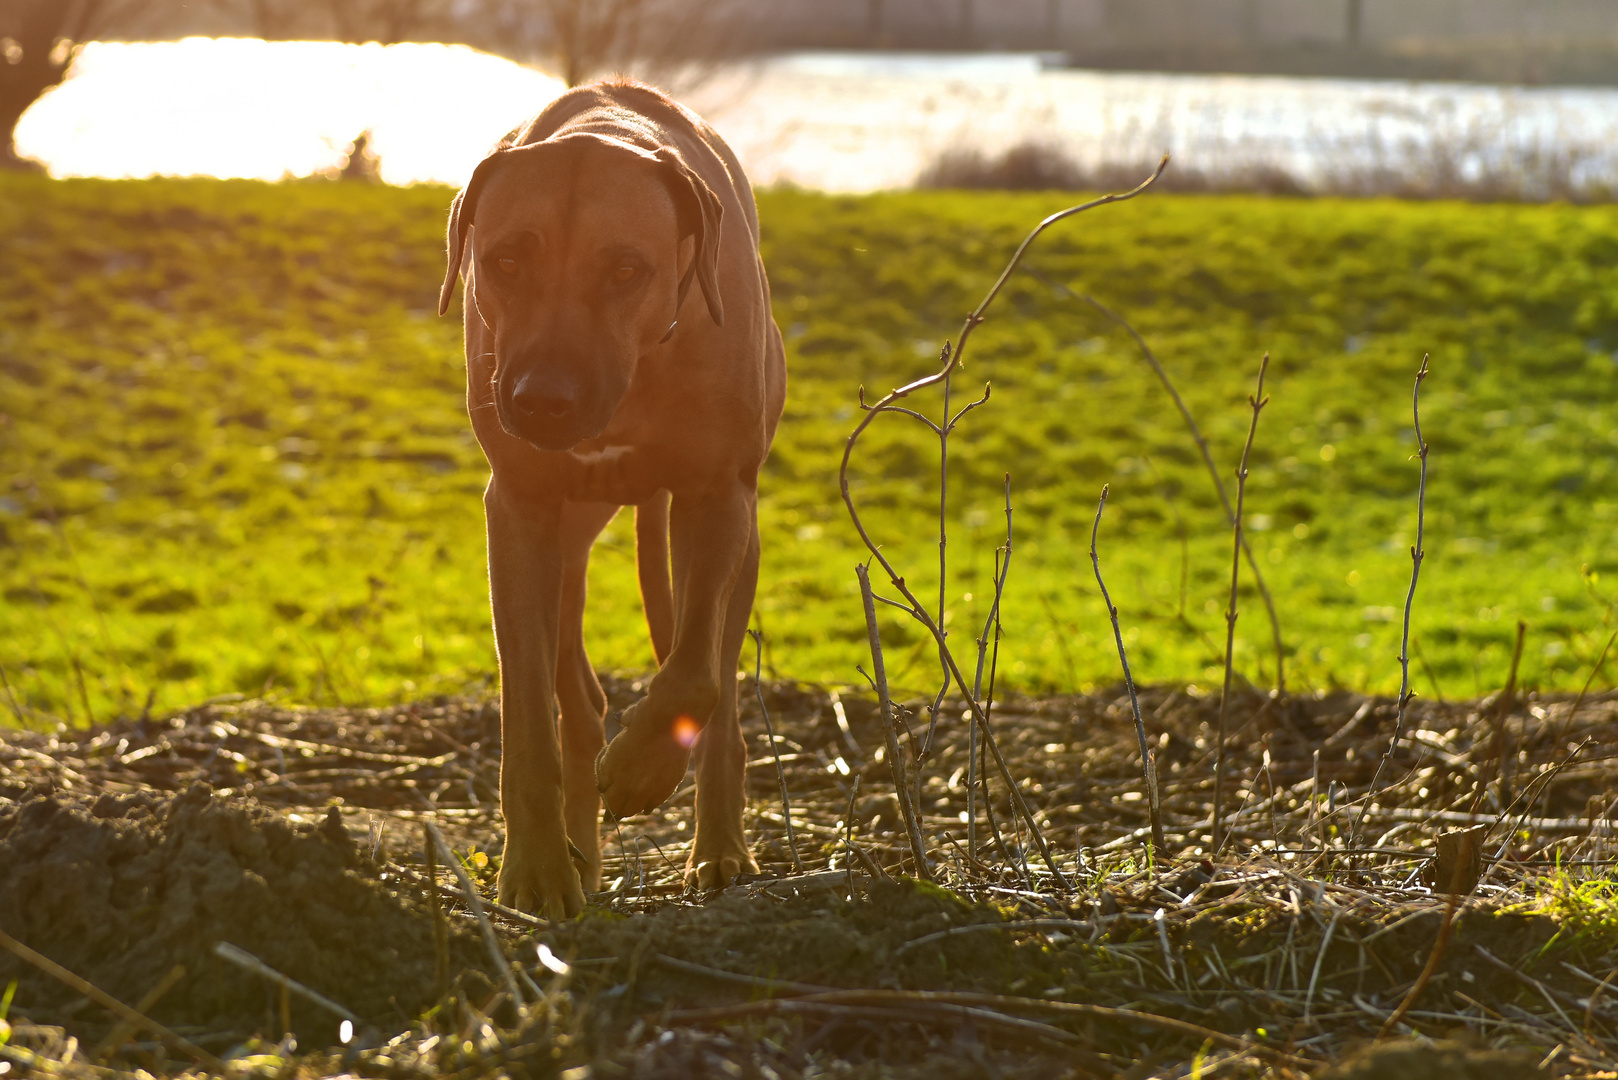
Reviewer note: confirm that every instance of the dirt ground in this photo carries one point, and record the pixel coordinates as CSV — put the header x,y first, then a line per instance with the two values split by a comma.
x,y
297,835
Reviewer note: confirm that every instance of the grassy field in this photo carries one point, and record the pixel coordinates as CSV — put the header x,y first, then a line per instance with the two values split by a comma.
x,y
233,453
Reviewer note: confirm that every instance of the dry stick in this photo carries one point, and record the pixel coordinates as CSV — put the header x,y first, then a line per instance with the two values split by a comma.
x,y
1508,698
107,1001
915,1011
775,747
952,359
22,721
1433,959
1567,724
1417,554
892,998
122,1030
943,583
440,922
942,432
239,956
879,676
1528,798
1148,763
848,832
1001,570
1207,460
496,954
1257,402
84,692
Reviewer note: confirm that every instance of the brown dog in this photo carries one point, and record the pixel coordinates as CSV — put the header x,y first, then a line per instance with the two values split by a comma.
x,y
595,381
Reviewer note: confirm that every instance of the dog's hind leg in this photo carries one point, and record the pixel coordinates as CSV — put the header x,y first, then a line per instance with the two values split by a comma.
x,y
719,851
582,703
652,565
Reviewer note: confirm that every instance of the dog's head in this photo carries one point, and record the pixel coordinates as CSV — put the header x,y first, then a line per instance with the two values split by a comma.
x,y
581,256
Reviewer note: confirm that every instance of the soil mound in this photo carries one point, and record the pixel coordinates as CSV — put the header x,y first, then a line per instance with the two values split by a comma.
x,y
123,888
1408,1059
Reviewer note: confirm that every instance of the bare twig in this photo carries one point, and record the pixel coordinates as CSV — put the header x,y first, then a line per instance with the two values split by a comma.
x,y
879,1005
122,1030
107,1001
245,960
1502,710
983,1002
775,747
1207,459
440,923
1567,722
1434,957
879,677
1148,763
1257,403
1002,568
11,698
1008,927
497,955
950,360
1417,554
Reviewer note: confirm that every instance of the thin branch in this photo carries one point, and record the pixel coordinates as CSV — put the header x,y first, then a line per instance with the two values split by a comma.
x,y
1434,957
1257,402
918,847
1567,723
969,406
895,998
951,359
107,1001
497,955
1148,763
245,960
1207,459
775,747
1417,554
1002,568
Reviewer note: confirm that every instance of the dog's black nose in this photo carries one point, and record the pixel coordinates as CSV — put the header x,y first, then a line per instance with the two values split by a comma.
x,y
533,397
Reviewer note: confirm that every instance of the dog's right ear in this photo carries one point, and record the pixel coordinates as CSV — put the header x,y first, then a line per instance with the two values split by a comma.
x,y
460,219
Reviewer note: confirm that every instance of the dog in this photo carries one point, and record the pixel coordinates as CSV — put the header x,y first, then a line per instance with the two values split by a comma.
x,y
620,351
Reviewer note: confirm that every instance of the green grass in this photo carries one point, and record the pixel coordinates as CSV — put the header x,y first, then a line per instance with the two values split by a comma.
x,y
233,452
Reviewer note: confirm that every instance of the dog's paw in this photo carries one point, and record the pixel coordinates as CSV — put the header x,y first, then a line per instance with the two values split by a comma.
x,y
642,766
713,864
539,880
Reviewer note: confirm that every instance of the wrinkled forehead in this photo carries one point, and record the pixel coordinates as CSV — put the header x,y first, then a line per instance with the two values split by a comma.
x,y
578,193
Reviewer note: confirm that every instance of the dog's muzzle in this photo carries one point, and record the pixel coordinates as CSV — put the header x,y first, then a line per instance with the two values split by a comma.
x,y
548,411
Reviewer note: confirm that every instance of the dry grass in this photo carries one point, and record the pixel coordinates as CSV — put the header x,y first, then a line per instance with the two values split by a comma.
x,y
1292,948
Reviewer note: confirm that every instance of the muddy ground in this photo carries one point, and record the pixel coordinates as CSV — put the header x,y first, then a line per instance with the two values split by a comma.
x,y
297,836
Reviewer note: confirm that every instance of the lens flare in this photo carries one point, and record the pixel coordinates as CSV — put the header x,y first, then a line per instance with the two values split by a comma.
x,y
686,731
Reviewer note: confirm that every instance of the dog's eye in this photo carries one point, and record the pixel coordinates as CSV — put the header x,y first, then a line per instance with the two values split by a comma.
x,y
623,275
508,266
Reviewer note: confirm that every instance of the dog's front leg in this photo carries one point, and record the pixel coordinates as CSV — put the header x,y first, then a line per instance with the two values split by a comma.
x,y
525,586
710,536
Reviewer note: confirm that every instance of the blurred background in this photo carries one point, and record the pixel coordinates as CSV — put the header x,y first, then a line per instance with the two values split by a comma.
x,y
1476,98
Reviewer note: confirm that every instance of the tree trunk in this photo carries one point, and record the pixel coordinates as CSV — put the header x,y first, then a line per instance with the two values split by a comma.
x,y
43,38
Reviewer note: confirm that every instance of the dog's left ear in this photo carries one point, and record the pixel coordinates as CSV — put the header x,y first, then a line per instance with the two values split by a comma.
x,y
700,217
460,219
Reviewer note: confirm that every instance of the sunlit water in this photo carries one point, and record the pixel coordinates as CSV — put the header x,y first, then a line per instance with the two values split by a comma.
x,y
839,122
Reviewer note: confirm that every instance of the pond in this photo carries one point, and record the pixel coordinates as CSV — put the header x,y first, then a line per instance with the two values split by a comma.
x,y
834,121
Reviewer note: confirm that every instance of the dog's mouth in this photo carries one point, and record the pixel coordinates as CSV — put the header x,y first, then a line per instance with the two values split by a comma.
x,y
548,422
558,433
